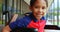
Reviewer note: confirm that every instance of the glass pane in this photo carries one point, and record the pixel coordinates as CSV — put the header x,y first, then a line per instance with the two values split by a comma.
x,y
11,7
54,13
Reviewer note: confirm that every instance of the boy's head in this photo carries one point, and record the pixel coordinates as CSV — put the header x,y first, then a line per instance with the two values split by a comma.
x,y
33,1
38,7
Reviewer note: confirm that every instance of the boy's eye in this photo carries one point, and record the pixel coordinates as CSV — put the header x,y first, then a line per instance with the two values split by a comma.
x,y
43,7
36,7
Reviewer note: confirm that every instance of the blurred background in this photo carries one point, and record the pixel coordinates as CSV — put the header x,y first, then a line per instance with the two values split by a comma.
x,y
10,7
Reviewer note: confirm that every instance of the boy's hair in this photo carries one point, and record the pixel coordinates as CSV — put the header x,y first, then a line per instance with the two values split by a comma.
x,y
33,1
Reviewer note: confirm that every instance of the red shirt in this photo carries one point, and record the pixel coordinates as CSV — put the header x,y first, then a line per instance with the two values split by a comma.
x,y
38,25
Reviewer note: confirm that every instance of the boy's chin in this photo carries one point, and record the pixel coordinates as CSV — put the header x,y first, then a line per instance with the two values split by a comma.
x,y
39,16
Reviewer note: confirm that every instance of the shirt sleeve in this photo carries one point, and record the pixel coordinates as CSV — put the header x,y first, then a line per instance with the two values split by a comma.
x,y
16,24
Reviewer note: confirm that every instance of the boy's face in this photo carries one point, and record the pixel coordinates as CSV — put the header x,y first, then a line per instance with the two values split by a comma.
x,y
39,8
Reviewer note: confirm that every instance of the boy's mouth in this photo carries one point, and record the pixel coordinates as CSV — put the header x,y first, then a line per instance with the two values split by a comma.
x,y
40,13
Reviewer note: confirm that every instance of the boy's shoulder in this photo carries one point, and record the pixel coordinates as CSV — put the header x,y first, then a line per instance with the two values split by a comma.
x,y
23,18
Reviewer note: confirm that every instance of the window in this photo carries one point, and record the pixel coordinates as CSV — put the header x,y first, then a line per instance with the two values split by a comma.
x,y
10,7
54,13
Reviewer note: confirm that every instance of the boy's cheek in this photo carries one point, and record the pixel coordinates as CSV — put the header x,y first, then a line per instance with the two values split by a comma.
x,y
45,12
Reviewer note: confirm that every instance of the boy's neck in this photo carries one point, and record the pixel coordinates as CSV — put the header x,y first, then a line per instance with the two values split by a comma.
x,y
38,18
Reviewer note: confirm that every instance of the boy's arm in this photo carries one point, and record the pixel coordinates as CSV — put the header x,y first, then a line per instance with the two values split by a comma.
x,y
6,29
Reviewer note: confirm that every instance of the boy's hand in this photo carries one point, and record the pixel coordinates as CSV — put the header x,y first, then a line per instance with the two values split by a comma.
x,y
6,29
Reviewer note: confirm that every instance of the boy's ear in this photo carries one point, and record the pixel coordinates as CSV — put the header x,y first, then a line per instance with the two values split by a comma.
x,y
30,8
47,10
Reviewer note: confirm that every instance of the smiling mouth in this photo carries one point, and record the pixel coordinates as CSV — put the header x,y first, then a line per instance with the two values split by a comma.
x,y
40,13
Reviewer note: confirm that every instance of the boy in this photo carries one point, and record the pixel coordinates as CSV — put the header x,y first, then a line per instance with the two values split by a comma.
x,y
34,20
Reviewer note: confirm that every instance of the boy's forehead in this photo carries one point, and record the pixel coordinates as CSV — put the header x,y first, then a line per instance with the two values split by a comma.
x,y
40,2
